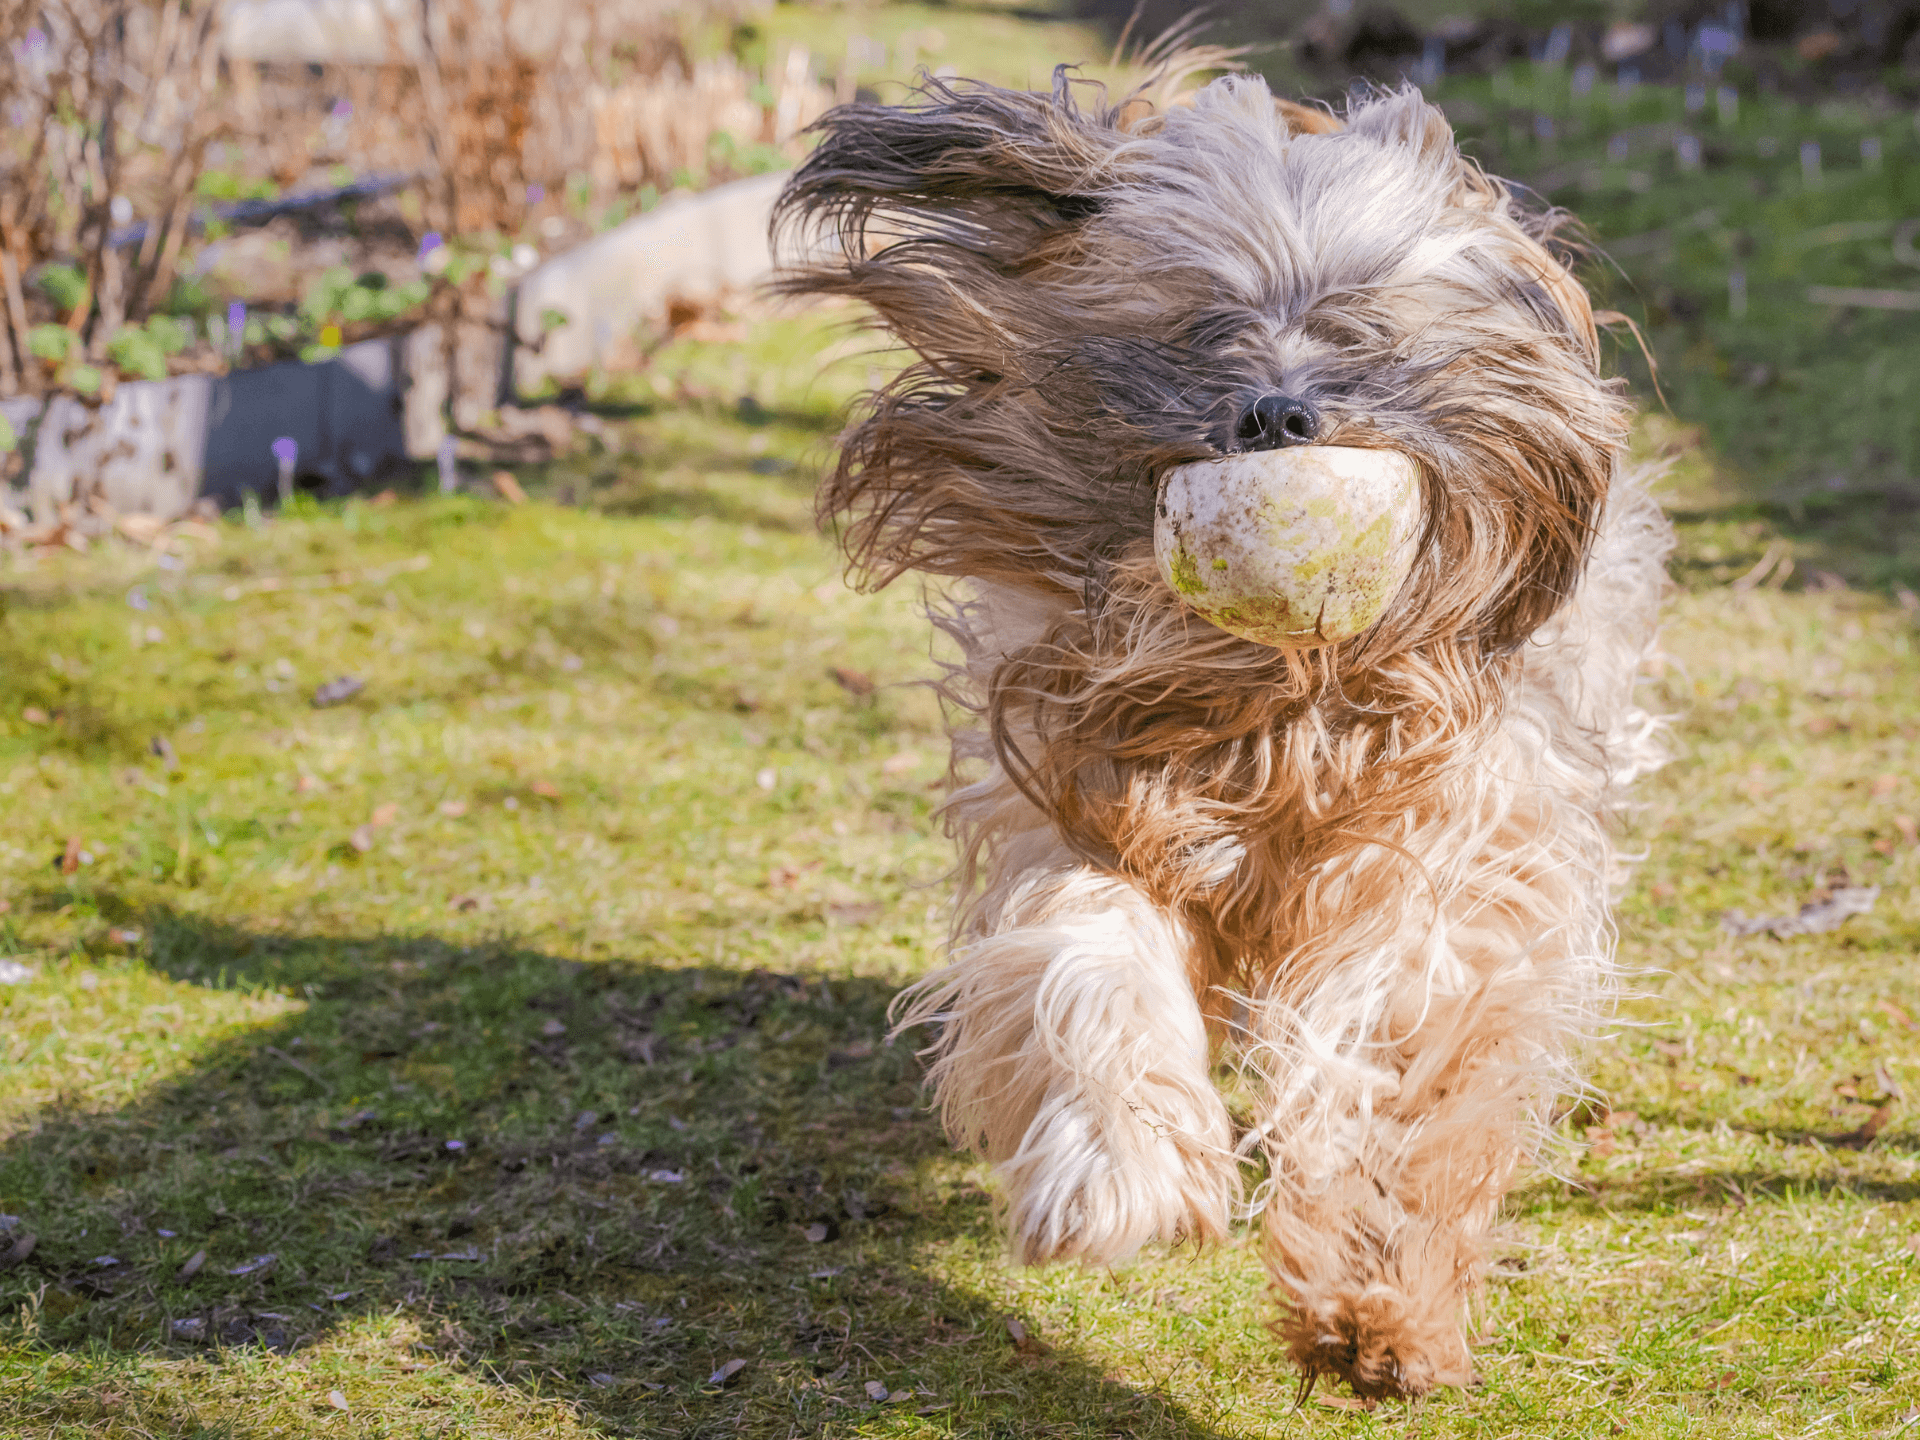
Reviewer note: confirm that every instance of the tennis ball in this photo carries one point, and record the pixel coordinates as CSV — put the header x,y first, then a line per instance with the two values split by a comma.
x,y
1291,548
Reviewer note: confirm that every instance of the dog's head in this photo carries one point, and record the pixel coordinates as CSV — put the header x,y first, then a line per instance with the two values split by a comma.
x,y
1098,294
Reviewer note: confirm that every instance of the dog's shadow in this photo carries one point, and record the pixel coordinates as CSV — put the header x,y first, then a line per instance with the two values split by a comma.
x,y
607,1182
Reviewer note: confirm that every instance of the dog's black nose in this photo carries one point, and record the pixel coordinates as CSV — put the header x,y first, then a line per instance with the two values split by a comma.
x,y
1275,420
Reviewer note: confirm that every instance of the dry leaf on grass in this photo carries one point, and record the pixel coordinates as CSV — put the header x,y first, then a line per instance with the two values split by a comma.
x,y
192,1267
876,1392
384,814
1814,917
508,488
1869,1129
453,809
855,682
1025,1343
1883,1077
337,1400
338,691
545,789
726,1372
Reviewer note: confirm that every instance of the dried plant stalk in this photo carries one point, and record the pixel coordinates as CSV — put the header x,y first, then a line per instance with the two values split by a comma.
x,y
106,102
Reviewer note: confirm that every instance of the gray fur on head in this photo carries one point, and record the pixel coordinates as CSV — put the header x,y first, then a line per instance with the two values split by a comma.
x,y
1094,294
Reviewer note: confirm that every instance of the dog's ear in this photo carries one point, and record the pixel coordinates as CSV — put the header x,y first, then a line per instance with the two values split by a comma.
x,y
1407,119
935,213
970,165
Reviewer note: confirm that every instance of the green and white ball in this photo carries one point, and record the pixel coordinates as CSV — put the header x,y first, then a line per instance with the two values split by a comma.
x,y
1290,548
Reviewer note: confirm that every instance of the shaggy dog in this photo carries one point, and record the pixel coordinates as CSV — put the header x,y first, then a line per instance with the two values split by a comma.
x,y
1367,878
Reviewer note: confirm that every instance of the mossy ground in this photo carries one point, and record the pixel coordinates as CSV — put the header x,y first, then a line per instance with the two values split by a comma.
x,y
528,1008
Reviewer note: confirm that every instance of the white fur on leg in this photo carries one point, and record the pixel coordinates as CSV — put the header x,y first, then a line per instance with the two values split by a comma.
x,y
1072,1053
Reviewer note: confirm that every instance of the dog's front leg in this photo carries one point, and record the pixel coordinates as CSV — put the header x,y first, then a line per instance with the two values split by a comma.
x,y
1410,1079
1071,1052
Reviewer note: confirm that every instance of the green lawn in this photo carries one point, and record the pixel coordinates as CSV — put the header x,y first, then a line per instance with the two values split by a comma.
x,y
528,1008
1725,233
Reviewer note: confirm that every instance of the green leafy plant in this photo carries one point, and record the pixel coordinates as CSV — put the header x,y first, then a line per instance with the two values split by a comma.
x,y
223,184
341,297
50,342
65,285
141,351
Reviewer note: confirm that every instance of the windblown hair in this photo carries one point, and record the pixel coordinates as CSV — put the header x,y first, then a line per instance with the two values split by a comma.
x,y
1380,866
1091,303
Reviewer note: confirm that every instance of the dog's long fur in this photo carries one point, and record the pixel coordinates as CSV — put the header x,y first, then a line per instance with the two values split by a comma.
x,y
1373,874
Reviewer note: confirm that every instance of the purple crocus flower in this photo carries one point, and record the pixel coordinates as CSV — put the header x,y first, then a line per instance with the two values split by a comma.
x,y
429,243
286,450
536,193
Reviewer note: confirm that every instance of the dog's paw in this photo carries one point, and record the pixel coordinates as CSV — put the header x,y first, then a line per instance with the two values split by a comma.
x,y
1371,1294
1097,1185
1383,1343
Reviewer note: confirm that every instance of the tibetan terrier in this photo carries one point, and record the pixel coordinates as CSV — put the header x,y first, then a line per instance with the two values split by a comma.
x,y
1299,589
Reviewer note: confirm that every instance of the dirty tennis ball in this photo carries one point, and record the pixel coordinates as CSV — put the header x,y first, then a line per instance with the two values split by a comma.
x,y
1290,548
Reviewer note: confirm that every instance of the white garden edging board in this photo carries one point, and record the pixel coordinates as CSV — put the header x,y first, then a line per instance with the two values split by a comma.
x,y
691,248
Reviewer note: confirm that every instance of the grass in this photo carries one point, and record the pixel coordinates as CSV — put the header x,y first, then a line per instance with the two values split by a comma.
x,y
606,878
880,45
528,1008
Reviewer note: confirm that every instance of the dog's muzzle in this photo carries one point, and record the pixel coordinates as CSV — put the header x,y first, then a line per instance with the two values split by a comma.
x,y
1290,547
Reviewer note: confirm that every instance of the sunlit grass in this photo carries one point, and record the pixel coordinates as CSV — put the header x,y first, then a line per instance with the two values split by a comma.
x,y
527,1008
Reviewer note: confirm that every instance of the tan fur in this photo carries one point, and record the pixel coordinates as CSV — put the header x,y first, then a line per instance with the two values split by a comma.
x,y
1374,875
